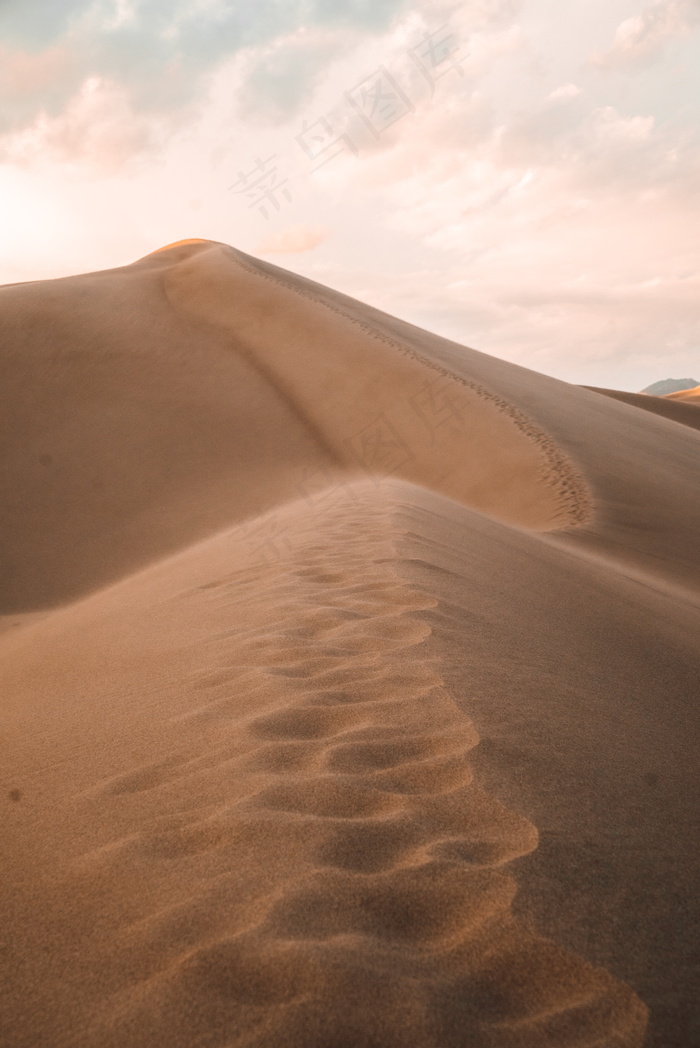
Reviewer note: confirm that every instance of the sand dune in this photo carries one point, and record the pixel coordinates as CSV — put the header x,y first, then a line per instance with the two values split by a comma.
x,y
690,395
664,406
348,676
666,385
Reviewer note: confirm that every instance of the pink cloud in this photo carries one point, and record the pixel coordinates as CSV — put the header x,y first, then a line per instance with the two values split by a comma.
x,y
292,240
643,35
25,75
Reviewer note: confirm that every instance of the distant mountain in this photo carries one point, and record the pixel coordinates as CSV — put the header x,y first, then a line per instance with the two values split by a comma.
x,y
670,385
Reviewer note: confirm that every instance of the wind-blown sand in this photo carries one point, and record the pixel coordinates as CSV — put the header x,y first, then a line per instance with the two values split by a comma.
x,y
349,680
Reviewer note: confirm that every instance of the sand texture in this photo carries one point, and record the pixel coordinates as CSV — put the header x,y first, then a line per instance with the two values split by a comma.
x,y
349,680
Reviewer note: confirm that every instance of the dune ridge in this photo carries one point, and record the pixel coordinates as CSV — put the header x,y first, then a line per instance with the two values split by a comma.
x,y
149,406
623,528
315,864
555,495
557,469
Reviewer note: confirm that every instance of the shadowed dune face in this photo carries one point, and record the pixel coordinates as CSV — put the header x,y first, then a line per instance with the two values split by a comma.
x,y
125,435
582,684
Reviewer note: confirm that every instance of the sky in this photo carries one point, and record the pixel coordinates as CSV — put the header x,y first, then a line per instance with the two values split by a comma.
x,y
521,176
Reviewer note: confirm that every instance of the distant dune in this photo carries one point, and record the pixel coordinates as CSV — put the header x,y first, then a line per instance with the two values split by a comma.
x,y
673,407
670,385
349,677
692,396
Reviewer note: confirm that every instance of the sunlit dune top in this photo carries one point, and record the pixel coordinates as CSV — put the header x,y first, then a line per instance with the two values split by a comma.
x,y
180,243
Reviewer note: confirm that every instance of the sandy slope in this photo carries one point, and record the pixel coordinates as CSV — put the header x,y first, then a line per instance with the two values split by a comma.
x,y
245,798
672,409
126,435
582,684
267,824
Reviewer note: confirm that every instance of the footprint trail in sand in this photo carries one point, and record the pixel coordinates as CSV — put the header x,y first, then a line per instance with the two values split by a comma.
x,y
335,849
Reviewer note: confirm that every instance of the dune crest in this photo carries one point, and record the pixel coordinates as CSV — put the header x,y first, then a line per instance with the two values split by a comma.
x,y
376,403
178,243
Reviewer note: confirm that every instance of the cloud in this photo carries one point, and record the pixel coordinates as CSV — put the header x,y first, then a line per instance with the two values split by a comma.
x,y
561,233
642,36
282,76
97,128
364,15
293,239
35,24
35,82
161,54
563,93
